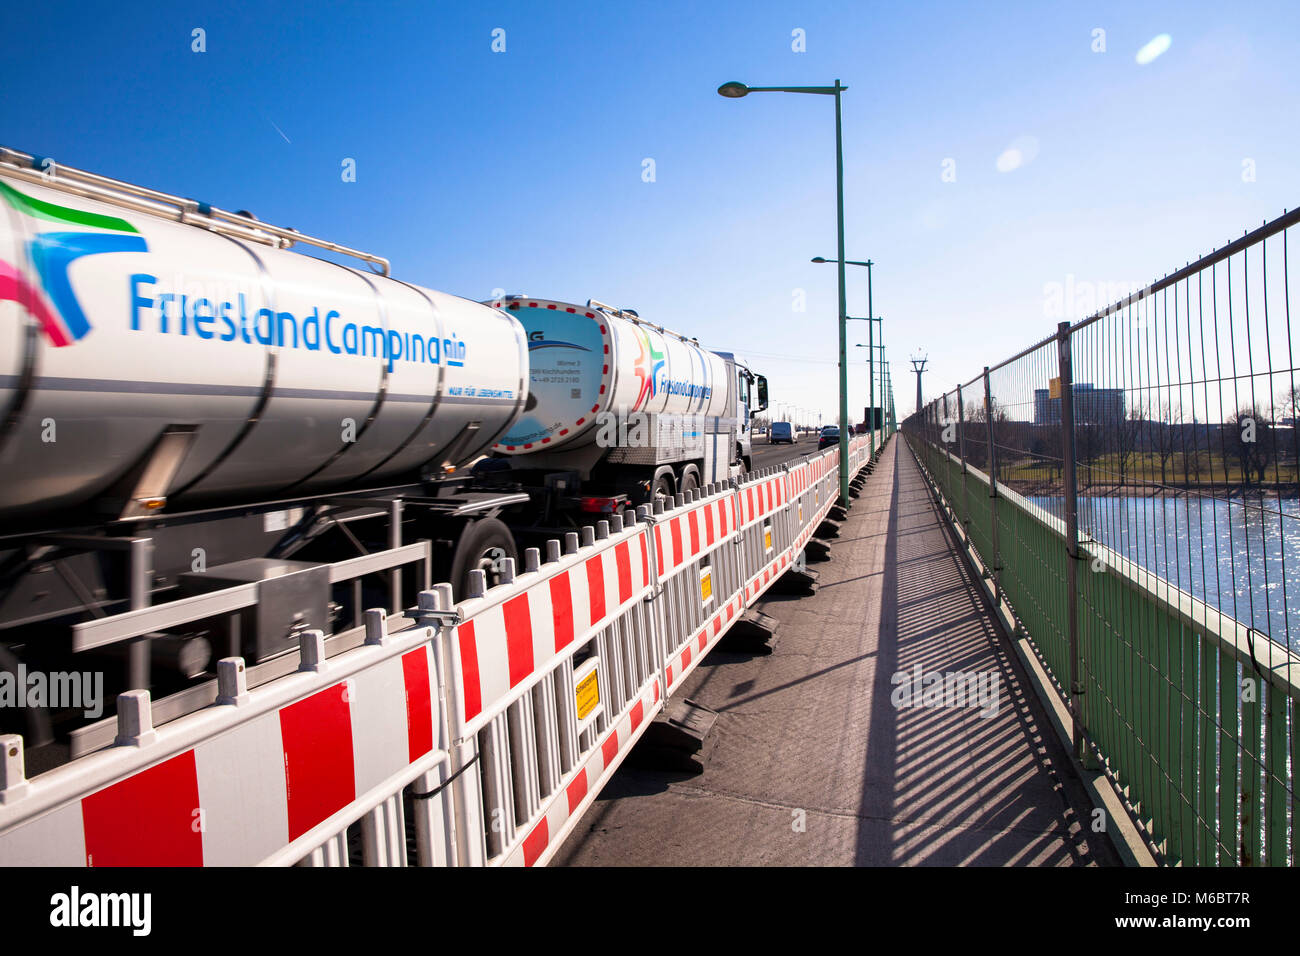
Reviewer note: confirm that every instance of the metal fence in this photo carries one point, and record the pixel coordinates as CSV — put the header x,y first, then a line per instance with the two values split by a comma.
x,y
1132,485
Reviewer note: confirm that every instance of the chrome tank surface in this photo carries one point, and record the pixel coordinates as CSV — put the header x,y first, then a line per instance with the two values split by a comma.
x,y
288,374
586,361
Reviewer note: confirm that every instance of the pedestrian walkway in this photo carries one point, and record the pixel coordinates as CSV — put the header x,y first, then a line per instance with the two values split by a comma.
x,y
813,764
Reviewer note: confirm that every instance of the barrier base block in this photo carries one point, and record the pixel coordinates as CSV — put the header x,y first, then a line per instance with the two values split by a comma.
x,y
796,581
830,528
817,550
838,513
678,739
754,633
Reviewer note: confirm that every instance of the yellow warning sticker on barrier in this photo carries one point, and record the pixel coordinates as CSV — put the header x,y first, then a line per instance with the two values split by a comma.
x,y
588,694
706,585
767,536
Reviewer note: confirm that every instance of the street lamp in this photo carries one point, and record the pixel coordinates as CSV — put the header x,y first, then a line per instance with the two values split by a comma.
x,y
735,90
871,319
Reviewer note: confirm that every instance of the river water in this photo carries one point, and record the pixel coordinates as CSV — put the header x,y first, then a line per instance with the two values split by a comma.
x,y
1242,557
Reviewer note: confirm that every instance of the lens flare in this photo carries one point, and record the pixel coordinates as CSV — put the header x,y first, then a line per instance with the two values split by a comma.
x,y
1019,152
1154,48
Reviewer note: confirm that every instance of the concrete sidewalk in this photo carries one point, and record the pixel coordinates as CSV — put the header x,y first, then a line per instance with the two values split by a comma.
x,y
814,765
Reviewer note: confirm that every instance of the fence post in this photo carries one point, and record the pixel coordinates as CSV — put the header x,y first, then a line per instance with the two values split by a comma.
x,y
961,453
993,489
1071,493
936,439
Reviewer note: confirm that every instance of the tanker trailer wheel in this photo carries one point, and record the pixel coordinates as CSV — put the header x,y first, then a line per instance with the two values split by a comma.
x,y
664,485
690,478
483,545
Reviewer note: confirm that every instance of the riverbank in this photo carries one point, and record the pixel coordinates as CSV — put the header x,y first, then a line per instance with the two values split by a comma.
x,y
1056,489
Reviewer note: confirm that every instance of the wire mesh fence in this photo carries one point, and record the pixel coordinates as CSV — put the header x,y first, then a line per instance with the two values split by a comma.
x,y
1133,484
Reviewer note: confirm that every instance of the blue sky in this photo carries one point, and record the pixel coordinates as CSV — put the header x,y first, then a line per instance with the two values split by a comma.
x,y
523,170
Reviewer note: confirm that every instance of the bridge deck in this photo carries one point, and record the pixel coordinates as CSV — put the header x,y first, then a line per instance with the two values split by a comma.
x,y
809,734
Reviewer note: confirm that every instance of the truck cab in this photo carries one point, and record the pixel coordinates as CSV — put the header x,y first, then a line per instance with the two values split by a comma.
x,y
738,426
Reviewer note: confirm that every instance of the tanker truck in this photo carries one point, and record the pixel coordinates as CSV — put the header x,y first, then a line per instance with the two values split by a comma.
x,y
194,415
623,408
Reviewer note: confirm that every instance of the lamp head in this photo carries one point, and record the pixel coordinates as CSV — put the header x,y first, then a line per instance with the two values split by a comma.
x,y
733,90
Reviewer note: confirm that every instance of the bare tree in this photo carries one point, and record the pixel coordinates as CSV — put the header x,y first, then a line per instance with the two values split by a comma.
x,y
1286,411
1089,444
1125,441
1194,457
1163,434
1250,440
977,450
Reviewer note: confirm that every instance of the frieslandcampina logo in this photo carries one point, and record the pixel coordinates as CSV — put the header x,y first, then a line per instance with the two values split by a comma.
x,y
320,329
55,305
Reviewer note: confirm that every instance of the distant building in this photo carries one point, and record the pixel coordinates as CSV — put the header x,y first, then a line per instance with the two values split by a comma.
x,y
1091,404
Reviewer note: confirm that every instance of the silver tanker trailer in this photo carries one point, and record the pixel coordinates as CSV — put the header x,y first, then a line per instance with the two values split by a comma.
x,y
190,411
626,408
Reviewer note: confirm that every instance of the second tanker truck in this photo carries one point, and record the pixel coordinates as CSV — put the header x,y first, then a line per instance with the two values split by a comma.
x,y
187,405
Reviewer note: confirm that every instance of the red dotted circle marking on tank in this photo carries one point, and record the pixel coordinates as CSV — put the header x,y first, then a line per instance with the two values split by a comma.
x,y
605,371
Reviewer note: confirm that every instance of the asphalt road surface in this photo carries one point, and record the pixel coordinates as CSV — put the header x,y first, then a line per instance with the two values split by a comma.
x,y
816,763
765,454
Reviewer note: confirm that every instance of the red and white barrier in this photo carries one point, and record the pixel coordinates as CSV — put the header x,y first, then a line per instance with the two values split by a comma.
x,y
266,776
498,721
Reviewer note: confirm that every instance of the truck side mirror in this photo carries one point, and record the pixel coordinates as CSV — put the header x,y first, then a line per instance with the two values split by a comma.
x,y
762,393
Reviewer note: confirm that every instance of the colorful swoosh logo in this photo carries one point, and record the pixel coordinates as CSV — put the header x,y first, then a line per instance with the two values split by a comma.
x,y
52,254
647,368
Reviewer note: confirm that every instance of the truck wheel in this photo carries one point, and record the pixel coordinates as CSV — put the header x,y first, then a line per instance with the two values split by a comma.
x,y
483,545
664,484
690,480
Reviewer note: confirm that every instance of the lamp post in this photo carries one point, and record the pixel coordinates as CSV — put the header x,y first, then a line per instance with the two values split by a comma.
x,y
889,390
870,319
735,90
871,355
